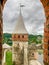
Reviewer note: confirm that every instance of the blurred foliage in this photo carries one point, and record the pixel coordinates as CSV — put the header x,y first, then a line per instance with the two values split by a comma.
x,y
7,38
35,39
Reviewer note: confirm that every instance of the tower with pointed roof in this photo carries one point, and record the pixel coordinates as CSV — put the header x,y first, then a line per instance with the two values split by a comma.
x,y
20,42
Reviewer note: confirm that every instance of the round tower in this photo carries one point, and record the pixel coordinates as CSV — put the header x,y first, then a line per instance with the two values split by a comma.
x,y
20,42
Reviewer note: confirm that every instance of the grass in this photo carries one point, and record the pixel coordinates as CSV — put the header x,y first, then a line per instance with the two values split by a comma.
x,y
8,58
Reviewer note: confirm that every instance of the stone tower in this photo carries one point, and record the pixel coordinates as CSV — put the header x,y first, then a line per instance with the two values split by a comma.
x,y
20,43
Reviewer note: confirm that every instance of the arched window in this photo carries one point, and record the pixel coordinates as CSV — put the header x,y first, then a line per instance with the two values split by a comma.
x,y
22,36
18,36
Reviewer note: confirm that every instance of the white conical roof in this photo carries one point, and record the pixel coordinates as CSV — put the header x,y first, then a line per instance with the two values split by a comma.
x,y
20,27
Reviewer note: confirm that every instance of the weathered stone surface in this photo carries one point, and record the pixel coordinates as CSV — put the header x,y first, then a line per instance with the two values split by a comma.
x,y
32,50
18,55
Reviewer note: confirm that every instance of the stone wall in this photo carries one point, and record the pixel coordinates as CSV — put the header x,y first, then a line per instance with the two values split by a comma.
x,y
20,53
32,51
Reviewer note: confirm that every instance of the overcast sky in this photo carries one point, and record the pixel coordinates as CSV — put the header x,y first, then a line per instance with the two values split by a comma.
x,y
33,15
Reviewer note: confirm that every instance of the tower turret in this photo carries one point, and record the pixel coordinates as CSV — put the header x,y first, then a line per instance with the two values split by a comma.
x,y
20,42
